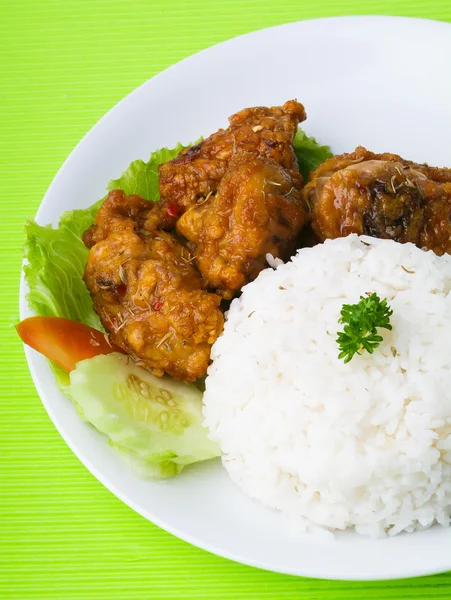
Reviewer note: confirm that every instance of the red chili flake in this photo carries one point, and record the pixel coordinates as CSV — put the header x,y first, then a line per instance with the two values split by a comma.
x,y
157,305
121,290
172,210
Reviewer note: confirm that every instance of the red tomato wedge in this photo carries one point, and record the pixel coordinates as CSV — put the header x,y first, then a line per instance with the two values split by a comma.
x,y
63,341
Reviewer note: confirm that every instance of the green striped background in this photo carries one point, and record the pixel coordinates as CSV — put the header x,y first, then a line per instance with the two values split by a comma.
x,y
63,65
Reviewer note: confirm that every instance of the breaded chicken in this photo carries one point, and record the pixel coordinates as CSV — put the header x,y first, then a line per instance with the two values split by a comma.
x,y
236,197
384,196
150,298
256,132
256,210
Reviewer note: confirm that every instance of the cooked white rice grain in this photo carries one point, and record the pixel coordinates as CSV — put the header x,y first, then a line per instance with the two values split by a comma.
x,y
365,444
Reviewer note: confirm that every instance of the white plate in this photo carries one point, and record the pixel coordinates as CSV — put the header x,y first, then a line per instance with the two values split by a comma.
x,y
377,81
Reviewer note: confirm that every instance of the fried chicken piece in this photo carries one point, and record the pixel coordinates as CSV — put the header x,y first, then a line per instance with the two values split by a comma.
x,y
384,196
119,212
260,131
257,210
147,293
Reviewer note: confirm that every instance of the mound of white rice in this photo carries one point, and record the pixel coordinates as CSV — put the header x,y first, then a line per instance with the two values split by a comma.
x,y
365,444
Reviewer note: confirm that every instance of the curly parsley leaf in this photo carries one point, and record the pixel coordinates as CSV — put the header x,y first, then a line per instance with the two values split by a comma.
x,y
361,322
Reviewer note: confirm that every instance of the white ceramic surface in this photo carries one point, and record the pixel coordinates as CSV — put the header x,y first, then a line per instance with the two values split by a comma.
x,y
381,82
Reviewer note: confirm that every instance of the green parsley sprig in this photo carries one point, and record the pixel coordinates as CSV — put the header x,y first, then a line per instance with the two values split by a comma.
x,y
361,323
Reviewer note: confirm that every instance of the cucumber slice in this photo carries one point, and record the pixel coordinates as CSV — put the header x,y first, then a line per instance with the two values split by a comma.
x,y
155,422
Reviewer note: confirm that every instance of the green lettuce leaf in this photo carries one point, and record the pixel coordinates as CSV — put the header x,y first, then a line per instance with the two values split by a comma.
x,y
309,152
56,261
57,257
142,178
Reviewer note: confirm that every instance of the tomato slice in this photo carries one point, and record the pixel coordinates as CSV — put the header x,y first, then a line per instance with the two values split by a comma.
x,y
63,341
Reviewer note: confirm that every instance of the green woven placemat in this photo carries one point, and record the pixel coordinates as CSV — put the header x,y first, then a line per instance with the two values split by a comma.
x,y
63,65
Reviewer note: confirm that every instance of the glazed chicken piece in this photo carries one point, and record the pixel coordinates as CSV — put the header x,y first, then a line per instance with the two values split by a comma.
x,y
383,196
256,210
197,171
150,298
